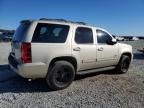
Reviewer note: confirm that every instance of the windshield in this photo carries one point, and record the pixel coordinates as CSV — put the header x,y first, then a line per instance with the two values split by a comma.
x,y
20,32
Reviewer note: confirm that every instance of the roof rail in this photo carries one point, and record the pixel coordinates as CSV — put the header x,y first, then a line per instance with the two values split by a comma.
x,y
63,20
83,23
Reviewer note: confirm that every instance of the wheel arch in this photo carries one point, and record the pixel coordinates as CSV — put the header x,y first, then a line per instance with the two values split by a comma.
x,y
70,59
127,54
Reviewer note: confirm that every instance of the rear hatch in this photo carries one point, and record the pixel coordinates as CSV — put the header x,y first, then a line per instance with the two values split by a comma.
x,y
18,40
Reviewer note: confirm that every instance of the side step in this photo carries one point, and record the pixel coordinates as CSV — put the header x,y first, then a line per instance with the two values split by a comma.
x,y
95,70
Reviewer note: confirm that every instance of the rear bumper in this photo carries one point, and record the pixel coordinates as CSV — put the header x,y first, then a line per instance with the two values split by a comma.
x,y
28,70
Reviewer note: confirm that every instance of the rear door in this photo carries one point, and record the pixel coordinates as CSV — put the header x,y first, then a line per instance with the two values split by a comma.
x,y
83,47
107,54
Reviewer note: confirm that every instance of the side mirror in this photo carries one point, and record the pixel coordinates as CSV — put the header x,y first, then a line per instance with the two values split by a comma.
x,y
112,41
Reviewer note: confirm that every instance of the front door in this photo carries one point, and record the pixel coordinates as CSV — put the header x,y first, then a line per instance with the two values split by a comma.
x,y
107,54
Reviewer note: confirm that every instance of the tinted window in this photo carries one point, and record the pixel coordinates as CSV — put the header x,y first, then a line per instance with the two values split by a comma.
x,y
103,37
20,32
50,33
83,35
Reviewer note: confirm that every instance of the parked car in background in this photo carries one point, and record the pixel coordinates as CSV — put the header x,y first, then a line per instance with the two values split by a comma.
x,y
135,38
6,35
119,38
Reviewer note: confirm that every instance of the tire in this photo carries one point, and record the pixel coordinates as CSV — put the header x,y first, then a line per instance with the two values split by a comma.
x,y
123,65
60,75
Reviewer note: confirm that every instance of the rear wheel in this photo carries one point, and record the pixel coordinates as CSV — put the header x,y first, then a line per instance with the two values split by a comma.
x,y
123,65
60,75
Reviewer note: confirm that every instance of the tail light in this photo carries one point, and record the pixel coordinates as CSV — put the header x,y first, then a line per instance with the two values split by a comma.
x,y
26,53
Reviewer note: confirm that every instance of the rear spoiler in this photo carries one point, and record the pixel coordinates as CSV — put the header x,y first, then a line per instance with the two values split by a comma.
x,y
26,21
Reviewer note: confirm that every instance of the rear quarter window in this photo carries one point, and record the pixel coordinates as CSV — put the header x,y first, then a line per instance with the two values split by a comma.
x,y
50,33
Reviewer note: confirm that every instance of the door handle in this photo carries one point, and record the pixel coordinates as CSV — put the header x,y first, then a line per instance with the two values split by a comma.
x,y
77,49
100,49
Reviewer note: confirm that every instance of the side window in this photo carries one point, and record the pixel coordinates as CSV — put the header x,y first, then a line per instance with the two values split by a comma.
x,y
103,37
57,31
83,35
50,33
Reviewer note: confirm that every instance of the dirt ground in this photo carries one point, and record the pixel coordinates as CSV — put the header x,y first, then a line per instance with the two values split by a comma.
x,y
99,90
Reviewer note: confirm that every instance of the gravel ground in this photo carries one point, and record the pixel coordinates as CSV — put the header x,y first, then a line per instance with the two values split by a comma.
x,y
99,90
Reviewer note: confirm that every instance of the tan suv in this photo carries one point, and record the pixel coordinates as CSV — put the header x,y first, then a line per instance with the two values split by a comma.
x,y
58,49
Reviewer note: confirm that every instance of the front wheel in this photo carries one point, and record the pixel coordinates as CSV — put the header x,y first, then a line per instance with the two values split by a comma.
x,y
123,65
61,75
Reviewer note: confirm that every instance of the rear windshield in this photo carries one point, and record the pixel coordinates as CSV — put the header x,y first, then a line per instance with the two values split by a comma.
x,y
50,33
20,32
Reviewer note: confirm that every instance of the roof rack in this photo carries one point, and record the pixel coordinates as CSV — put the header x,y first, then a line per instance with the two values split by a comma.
x,y
62,20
